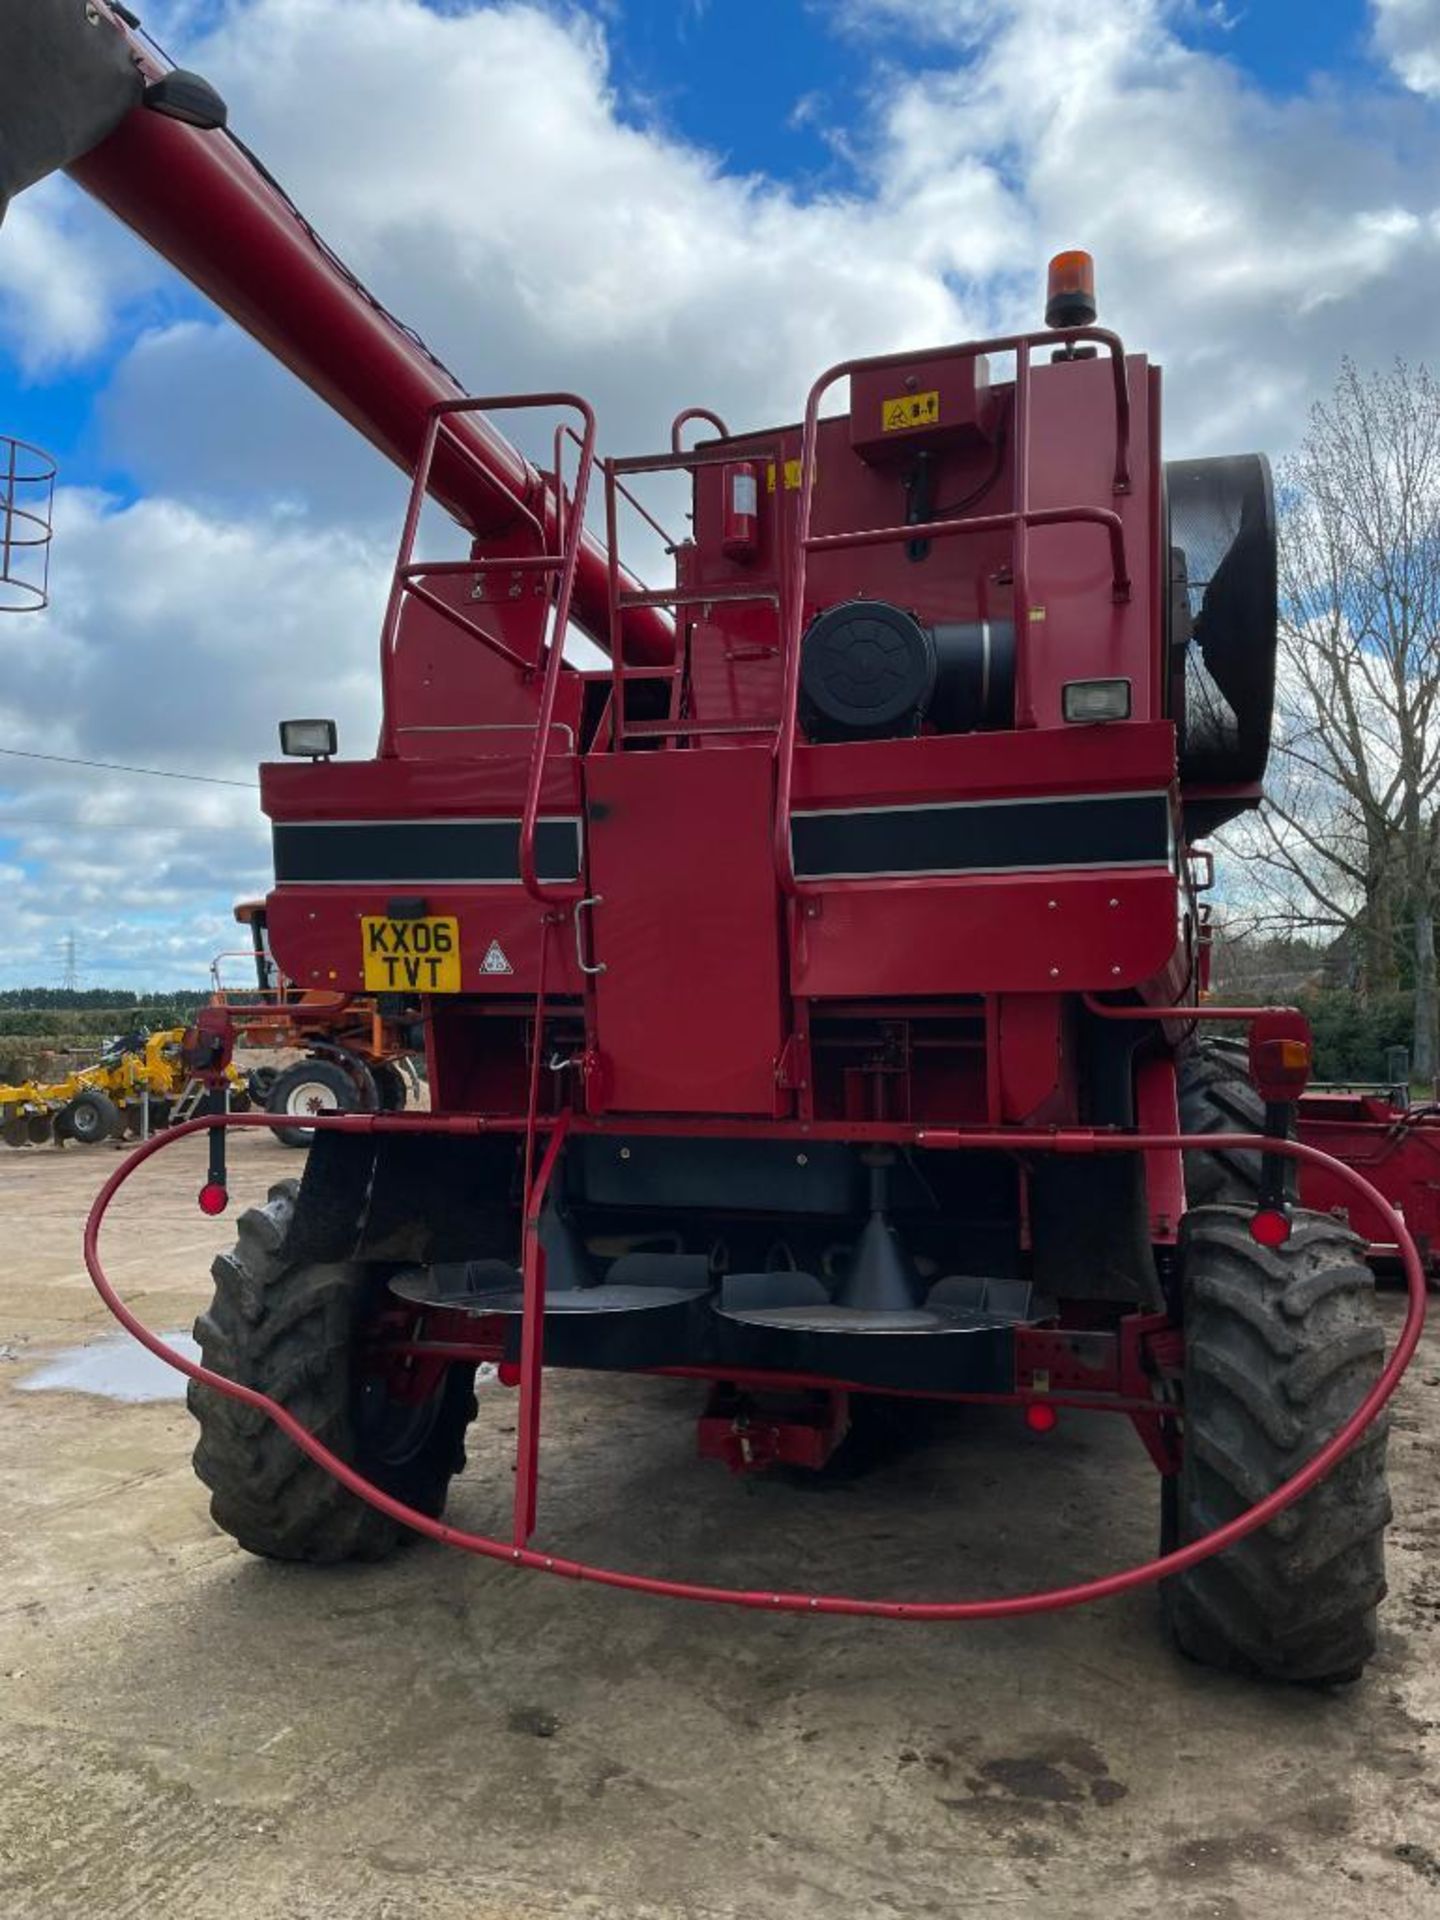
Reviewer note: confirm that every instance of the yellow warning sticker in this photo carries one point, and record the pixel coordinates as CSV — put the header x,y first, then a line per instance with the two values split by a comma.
x,y
792,476
910,410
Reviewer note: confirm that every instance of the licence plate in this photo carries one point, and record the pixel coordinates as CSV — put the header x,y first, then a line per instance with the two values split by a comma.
x,y
411,956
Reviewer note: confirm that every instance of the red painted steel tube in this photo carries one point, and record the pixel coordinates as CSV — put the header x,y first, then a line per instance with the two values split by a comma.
x,y
532,1343
1102,517
1179,1011
1049,1600
681,420
198,200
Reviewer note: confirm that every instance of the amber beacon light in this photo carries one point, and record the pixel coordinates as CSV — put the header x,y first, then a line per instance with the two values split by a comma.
x,y
1070,294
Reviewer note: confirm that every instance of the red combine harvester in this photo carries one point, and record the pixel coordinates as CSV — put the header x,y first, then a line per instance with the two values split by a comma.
x,y
809,995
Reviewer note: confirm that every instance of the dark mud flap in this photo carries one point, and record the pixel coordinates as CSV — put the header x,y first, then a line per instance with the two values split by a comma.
x,y
418,1198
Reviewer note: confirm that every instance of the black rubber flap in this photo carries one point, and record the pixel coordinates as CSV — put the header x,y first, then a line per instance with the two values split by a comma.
x,y
65,83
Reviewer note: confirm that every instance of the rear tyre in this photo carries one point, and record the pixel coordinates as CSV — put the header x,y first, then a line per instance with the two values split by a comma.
x,y
93,1117
1281,1345
390,1086
293,1332
1218,1096
308,1088
261,1081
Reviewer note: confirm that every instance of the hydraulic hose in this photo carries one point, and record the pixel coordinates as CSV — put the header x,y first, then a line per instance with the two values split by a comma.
x,y
1047,1600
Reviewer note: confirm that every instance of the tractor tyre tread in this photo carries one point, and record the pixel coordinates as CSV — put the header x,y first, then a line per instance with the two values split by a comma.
x,y
289,1331
1267,1382
1217,1096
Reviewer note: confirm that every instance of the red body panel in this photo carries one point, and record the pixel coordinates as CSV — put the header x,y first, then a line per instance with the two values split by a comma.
x,y
686,924
1057,931
1397,1151
394,789
315,929
316,933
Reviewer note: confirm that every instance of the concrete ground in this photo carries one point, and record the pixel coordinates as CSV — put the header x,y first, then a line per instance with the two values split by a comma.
x,y
187,1731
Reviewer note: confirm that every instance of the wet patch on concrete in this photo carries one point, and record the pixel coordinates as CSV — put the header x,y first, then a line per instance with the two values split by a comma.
x,y
536,1721
1421,1859
1215,1856
1061,1778
116,1368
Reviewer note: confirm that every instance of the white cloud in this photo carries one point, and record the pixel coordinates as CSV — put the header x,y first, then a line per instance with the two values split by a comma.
x,y
1407,33
173,640
61,275
1244,242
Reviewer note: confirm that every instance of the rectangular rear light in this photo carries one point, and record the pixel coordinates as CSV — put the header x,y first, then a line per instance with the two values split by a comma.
x,y
1085,702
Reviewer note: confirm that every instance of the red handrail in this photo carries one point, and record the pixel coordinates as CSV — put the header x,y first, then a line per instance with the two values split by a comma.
x,y
406,579
1019,520
623,600
1048,1600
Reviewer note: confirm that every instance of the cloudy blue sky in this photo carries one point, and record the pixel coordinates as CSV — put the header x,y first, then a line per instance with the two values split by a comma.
x,y
660,202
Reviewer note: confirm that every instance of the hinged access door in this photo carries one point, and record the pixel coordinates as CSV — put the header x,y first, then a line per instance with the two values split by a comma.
x,y
686,924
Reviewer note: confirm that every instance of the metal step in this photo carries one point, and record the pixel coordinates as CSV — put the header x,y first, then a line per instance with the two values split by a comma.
x,y
800,1303
636,1283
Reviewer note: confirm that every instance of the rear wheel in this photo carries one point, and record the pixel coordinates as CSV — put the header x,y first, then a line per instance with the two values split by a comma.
x,y
1218,1096
261,1081
1281,1345
93,1116
294,1331
390,1086
308,1088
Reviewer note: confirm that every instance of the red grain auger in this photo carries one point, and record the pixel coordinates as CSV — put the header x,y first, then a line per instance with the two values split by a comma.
x,y
810,994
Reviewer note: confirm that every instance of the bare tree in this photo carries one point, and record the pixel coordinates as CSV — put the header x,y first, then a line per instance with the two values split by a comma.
x,y
1351,835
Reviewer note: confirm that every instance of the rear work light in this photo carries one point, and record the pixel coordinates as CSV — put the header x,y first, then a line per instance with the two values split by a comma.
x,y
1088,701
308,739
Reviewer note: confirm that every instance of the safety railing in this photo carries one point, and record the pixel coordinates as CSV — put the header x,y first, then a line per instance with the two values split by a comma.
x,y
275,992
1018,522
410,576
676,597
27,496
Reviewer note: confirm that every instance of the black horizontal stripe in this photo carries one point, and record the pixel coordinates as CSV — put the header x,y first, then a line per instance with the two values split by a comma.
x,y
992,836
429,852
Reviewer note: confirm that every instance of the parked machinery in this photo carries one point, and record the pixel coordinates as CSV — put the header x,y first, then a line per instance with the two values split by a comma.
x,y
141,1082
1396,1145
809,995
356,1047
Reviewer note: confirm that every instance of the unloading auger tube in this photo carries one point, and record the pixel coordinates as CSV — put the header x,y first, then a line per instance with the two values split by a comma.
x,y
1047,1600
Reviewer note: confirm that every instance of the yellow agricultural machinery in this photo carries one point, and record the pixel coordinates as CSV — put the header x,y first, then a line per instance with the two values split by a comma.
x,y
140,1082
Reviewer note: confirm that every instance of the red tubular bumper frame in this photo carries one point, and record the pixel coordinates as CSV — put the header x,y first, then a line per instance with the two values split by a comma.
x,y
1051,1599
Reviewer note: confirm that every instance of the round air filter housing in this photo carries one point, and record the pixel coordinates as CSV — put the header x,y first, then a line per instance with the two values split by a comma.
x,y
867,671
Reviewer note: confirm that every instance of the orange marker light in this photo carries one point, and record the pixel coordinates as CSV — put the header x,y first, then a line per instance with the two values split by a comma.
x,y
1070,294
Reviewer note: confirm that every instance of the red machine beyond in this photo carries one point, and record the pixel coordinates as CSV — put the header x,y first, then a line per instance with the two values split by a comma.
x,y
809,993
